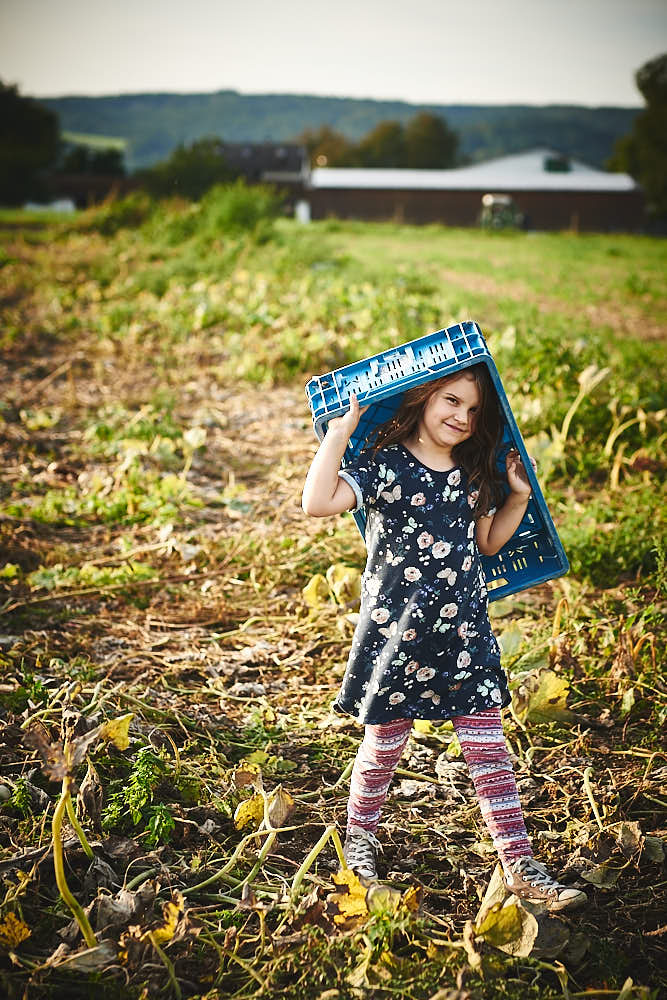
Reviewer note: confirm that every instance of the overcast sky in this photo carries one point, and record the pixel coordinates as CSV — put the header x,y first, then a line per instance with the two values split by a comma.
x,y
422,51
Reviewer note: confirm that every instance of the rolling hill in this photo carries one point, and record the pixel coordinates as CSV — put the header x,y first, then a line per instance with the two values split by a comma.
x,y
153,124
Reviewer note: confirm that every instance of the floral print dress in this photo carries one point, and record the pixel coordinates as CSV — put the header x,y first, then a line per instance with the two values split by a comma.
x,y
423,647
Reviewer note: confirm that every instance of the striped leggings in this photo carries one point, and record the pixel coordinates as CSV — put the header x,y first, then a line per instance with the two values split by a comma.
x,y
485,752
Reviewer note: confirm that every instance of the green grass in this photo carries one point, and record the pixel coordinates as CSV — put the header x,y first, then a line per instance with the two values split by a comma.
x,y
95,141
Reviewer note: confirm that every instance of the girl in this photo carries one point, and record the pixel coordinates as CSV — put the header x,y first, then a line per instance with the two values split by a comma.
x,y
423,647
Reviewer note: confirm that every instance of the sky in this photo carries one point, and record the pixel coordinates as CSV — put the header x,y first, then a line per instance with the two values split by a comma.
x,y
422,51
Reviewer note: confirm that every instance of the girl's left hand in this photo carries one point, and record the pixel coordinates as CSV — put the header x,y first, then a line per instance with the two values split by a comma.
x,y
516,474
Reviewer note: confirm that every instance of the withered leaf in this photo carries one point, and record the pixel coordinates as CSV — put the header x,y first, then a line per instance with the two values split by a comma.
x,y
54,763
91,797
281,806
13,930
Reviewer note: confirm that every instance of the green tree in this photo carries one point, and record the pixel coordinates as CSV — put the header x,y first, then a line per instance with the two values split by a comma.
x,y
189,172
383,146
326,147
643,152
29,139
84,160
430,143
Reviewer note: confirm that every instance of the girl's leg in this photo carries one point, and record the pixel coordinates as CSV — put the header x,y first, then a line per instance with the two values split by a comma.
x,y
485,752
377,759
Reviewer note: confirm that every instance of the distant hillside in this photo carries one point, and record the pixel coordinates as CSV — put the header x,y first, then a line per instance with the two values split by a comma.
x,y
153,124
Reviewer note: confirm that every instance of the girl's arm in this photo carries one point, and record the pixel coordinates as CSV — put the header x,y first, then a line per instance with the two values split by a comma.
x,y
494,531
324,492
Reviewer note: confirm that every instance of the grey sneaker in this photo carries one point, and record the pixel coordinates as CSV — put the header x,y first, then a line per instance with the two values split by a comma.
x,y
360,850
528,879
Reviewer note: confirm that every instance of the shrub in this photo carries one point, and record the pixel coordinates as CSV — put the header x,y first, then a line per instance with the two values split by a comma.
x,y
239,207
118,213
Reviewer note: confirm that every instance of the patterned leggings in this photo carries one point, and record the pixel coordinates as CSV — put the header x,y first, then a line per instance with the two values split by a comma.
x,y
485,752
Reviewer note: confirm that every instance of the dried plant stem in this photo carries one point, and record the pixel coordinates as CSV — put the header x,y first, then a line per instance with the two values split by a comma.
x,y
61,881
589,792
168,964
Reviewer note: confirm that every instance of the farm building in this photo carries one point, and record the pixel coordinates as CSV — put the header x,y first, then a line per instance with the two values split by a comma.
x,y
548,190
266,162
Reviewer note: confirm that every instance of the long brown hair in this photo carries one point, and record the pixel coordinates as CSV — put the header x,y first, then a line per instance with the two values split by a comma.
x,y
477,455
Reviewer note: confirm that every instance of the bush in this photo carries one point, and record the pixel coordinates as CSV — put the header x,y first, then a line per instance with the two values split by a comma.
x,y
239,207
189,172
226,209
117,213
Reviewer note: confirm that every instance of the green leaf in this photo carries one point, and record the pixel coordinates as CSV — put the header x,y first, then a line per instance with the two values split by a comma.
x,y
604,877
510,641
628,701
654,849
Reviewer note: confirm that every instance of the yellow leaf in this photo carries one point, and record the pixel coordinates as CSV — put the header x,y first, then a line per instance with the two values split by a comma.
x,y
249,811
172,913
345,583
12,932
412,898
117,731
423,726
542,694
351,900
316,591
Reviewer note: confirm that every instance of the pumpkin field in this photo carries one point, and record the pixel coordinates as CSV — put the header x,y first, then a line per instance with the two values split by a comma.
x,y
174,628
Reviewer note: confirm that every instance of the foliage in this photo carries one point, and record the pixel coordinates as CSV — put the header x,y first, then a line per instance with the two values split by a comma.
x,y
117,213
426,141
189,172
82,159
238,207
430,142
326,146
132,802
643,152
383,146
154,124
28,144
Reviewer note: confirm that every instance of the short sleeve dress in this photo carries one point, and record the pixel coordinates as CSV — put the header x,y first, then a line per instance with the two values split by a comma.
x,y
423,647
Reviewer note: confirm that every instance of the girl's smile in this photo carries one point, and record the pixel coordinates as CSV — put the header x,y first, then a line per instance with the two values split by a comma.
x,y
448,417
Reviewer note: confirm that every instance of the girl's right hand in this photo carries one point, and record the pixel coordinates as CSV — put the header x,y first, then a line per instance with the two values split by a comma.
x,y
346,424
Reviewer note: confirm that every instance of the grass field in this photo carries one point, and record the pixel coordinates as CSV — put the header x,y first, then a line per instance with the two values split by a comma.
x,y
155,440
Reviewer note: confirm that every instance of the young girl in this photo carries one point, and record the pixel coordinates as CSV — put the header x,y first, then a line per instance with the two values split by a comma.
x,y
423,647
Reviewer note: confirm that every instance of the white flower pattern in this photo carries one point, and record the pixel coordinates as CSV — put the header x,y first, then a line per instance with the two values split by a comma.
x,y
423,645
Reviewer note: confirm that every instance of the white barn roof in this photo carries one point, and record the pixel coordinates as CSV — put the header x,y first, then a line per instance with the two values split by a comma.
x,y
523,171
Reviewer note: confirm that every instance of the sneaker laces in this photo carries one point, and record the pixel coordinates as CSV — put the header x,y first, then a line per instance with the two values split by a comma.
x,y
535,873
360,848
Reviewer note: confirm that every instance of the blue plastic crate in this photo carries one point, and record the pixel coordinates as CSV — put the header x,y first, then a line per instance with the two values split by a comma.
x,y
534,553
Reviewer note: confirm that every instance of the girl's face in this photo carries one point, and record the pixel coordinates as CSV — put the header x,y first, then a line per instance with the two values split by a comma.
x,y
448,417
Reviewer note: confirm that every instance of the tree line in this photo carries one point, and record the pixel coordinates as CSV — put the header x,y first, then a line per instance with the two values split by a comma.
x,y
425,142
